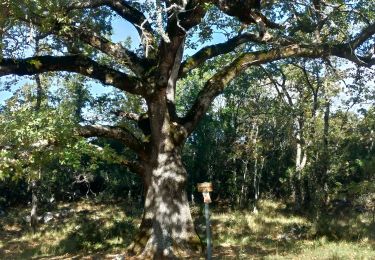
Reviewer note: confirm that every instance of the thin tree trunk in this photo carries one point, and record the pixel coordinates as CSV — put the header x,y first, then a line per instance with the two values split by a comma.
x,y
254,149
39,93
297,179
243,195
237,197
326,159
34,184
301,159
34,206
255,156
255,210
257,177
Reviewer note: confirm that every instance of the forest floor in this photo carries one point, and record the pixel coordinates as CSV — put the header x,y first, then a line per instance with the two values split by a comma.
x,y
102,230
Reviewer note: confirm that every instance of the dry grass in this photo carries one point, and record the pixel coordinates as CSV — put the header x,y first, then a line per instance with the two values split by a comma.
x,y
275,233
88,229
103,230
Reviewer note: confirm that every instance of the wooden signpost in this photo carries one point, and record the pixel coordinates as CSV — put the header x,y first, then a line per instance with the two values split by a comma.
x,y
206,188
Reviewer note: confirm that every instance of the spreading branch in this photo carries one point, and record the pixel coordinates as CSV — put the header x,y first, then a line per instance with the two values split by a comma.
x,y
222,78
212,51
246,11
363,36
126,11
117,133
128,115
188,15
75,63
348,50
132,61
72,33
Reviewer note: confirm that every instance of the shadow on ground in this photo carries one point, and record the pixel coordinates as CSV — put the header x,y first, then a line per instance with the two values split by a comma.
x,y
89,230
276,233
86,229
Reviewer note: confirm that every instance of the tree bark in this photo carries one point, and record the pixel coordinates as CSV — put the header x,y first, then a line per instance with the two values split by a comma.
x,y
34,206
167,229
34,184
325,156
257,178
301,158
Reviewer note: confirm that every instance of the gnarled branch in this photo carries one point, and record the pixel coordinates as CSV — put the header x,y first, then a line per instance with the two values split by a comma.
x,y
128,115
74,63
188,15
247,11
222,78
132,61
212,51
363,36
347,50
112,132
126,11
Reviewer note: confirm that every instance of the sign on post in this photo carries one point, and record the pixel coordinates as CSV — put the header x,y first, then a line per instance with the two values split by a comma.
x,y
206,188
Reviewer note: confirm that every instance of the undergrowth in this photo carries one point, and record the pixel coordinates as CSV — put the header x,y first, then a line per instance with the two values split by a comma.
x,y
91,229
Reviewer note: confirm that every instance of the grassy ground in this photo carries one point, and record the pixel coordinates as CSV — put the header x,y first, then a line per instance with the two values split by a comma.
x,y
275,233
89,230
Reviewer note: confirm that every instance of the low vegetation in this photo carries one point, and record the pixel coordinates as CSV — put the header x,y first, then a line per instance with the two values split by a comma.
x,y
102,229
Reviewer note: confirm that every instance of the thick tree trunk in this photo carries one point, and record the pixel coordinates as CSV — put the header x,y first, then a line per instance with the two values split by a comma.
x,y
167,229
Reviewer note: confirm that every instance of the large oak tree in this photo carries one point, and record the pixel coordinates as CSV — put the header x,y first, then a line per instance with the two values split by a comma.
x,y
76,40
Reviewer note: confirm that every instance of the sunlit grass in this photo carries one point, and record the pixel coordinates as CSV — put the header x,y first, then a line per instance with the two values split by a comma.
x,y
88,228
275,234
103,230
